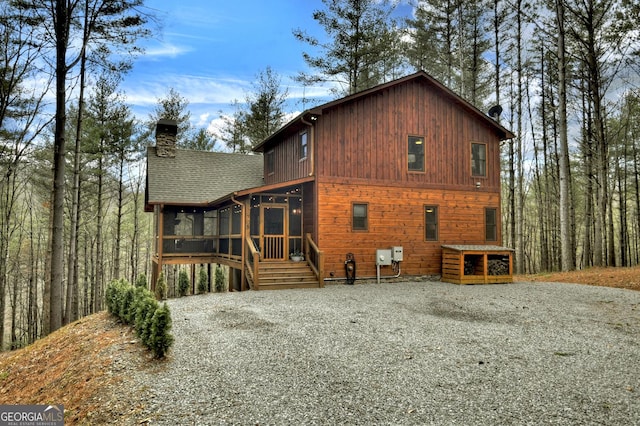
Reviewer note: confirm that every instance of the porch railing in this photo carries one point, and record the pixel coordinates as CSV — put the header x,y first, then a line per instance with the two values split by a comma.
x,y
315,259
252,263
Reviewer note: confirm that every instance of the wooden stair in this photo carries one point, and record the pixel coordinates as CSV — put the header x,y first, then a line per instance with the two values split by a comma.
x,y
285,275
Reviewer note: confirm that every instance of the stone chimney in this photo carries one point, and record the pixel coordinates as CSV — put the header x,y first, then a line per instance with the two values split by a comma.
x,y
166,131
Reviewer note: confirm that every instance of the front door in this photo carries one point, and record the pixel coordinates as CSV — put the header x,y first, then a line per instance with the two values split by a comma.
x,y
274,238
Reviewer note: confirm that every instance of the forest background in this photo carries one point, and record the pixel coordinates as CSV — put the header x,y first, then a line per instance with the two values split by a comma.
x,y
565,73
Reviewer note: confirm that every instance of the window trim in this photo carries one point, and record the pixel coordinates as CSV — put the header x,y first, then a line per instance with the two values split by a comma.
x,y
409,169
484,175
437,222
494,225
366,217
304,148
270,162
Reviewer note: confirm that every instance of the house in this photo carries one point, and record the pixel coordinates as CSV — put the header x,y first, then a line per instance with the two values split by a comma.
x,y
405,164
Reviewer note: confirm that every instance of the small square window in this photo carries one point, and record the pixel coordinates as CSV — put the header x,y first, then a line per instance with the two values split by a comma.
x,y
416,154
431,223
491,224
478,159
303,145
360,219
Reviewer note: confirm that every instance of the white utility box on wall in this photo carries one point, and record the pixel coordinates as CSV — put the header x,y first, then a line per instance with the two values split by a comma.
x,y
383,257
397,254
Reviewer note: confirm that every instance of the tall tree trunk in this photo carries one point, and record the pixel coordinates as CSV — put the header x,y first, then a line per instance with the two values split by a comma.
x,y
61,26
519,189
99,275
116,261
71,311
566,239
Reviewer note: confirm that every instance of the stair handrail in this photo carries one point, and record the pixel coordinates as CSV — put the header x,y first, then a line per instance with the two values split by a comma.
x,y
314,258
252,262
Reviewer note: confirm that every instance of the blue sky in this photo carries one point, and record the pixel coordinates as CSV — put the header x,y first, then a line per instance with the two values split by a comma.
x,y
210,51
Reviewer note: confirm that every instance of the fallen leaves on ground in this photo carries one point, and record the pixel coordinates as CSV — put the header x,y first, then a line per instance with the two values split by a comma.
x,y
71,366
627,277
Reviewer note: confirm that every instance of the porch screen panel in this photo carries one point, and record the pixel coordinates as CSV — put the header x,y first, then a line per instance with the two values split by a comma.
x,y
295,224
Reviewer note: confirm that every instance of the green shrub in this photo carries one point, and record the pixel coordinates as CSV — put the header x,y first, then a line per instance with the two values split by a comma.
x,y
141,281
203,281
115,295
160,338
183,283
220,279
126,300
161,287
144,314
138,306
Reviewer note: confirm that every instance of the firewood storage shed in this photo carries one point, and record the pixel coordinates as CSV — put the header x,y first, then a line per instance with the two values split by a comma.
x,y
477,264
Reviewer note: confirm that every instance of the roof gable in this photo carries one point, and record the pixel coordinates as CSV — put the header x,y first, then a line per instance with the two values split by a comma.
x,y
199,177
420,75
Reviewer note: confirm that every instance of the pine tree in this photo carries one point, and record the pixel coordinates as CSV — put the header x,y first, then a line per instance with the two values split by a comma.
x,y
357,45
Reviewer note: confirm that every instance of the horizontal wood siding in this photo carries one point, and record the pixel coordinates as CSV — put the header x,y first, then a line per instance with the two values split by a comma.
x,y
287,162
396,218
367,139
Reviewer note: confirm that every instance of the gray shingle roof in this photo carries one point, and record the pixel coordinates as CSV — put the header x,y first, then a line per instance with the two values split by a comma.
x,y
198,177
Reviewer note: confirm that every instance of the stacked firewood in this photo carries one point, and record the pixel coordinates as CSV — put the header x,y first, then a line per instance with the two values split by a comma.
x,y
498,267
468,267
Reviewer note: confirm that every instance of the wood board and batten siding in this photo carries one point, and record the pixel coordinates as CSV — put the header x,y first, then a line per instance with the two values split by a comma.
x,y
366,138
288,162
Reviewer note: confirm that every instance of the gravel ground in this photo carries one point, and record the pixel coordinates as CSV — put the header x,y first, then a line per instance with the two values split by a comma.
x,y
400,353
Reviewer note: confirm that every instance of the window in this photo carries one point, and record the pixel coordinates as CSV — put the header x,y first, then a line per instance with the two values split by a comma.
x,y
269,163
431,223
303,145
491,224
416,154
360,220
478,159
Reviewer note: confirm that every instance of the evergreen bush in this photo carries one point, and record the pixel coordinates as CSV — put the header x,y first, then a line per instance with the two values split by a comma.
x,y
141,281
203,281
220,279
144,315
183,283
161,287
137,306
160,339
126,300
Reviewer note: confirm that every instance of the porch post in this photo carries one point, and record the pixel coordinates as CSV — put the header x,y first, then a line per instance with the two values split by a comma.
x,y
159,231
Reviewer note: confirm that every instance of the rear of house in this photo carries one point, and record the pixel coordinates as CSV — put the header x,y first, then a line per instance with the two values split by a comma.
x,y
405,164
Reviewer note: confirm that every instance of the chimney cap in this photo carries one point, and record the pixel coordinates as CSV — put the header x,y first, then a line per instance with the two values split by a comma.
x,y
167,126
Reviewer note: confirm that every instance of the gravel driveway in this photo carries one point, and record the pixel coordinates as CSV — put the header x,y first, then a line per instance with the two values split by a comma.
x,y
401,353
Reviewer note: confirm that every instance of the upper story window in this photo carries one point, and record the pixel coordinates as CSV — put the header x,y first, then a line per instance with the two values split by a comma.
x,y
303,145
360,217
416,154
478,159
269,162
